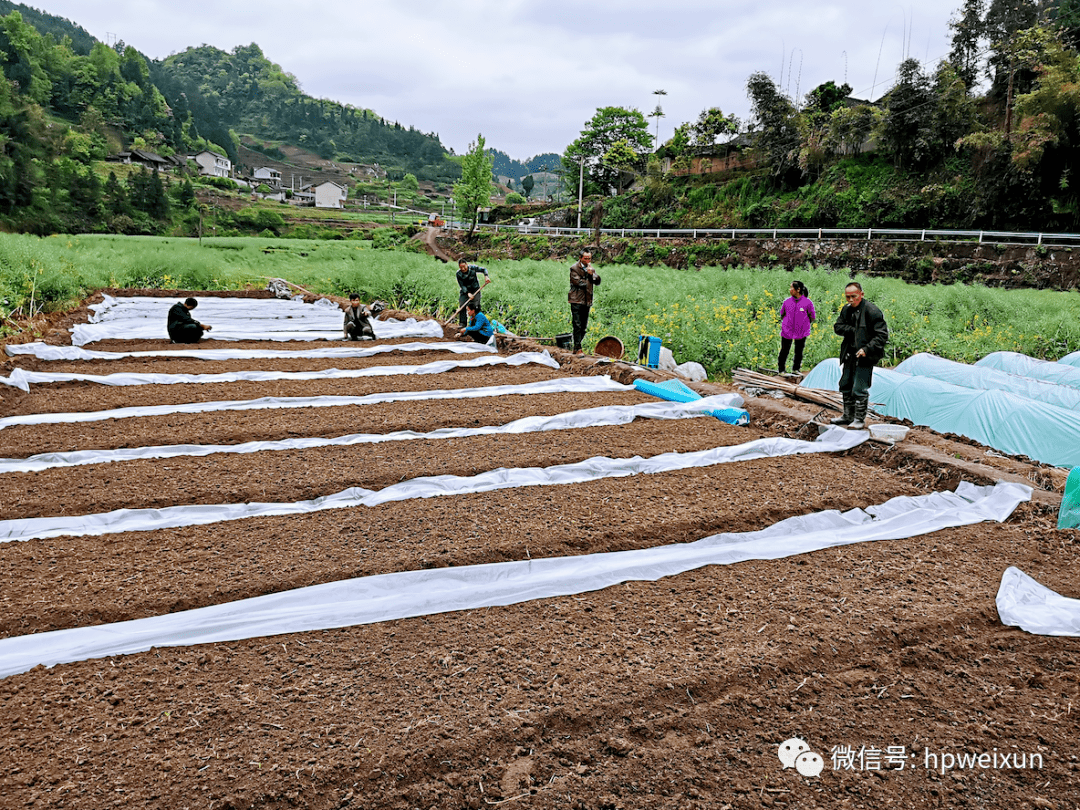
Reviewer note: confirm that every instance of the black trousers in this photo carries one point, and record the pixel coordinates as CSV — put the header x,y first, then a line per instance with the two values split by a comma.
x,y
355,331
856,380
463,316
796,361
579,316
186,333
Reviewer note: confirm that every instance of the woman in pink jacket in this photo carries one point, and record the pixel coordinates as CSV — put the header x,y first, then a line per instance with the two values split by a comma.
x,y
796,315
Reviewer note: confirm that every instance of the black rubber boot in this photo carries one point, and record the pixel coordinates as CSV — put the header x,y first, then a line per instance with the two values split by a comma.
x,y
849,412
861,405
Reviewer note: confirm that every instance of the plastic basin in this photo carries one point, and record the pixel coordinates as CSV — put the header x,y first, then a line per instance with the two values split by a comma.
x,y
890,433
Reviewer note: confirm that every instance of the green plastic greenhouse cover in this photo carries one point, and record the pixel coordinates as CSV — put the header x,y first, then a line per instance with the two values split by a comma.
x,y
1023,366
930,365
999,419
1069,514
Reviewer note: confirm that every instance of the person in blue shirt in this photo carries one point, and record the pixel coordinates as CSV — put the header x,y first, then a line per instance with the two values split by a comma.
x,y
480,328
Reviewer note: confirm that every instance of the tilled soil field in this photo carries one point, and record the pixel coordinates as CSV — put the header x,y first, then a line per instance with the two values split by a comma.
x,y
887,658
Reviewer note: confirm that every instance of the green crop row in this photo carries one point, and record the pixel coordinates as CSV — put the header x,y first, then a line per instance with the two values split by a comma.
x,y
722,318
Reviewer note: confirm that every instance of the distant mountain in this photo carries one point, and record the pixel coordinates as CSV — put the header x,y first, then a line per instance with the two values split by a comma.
x,y
245,92
502,165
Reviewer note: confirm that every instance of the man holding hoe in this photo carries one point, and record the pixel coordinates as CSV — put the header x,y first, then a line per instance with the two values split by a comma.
x,y
468,287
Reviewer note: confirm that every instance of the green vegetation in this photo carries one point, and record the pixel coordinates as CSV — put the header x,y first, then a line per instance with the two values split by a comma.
x,y
720,318
475,187
930,153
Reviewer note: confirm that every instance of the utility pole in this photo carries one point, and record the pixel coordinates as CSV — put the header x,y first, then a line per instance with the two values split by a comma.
x,y
580,187
658,113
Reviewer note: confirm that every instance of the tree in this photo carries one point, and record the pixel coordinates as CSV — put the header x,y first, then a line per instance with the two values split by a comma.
x,y
954,110
711,124
658,113
907,129
410,183
1004,19
527,185
474,189
777,137
968,29
826,98
622,158
1066,15
607,127
513,198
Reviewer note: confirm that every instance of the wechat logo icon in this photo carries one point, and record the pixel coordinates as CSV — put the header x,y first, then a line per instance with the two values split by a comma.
x,y
795,753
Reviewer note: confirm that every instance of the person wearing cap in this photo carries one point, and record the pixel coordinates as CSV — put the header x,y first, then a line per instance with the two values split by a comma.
x,y
582,280
357,320
181,326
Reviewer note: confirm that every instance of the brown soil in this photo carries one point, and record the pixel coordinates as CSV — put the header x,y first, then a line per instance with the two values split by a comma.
x,y
673,694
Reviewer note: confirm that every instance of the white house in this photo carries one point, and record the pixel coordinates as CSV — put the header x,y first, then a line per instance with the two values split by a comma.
x,y
272,177
329,194
213,164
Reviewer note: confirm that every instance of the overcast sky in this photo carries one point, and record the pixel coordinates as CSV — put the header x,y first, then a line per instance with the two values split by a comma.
x,y
527,74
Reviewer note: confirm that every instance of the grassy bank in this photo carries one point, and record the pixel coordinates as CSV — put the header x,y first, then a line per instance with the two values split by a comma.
x,y
722,318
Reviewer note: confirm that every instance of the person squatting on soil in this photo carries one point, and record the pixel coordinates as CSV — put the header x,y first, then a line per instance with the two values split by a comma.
x,y
865,333
182,327
582,280
357,320
468,284
796,315
480,328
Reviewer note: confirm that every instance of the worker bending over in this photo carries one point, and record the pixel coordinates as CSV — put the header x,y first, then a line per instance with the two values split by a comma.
x,y
480,328
182,327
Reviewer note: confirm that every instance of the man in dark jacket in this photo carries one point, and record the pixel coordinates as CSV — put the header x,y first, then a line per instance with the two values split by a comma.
x,y
864,333
582,280
468,284
182,327
357,320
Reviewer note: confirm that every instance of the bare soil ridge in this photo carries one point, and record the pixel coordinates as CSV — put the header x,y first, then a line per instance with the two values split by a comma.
x,y
673,694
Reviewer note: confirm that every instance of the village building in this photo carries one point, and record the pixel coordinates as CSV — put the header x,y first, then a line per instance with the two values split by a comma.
x,y
212,164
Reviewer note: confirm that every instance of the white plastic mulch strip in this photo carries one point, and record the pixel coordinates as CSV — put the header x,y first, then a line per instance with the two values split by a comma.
x,y
43,351
584,385
24,379
135,307
1022,602
251,329
593,469
385,597
589,417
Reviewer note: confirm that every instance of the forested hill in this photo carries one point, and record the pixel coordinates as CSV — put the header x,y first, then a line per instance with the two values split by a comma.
x,y
245,92
505,166
202,97
59,27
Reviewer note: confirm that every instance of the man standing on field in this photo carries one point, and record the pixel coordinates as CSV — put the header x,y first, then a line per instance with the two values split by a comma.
x,y
582,280
469,287
864,333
